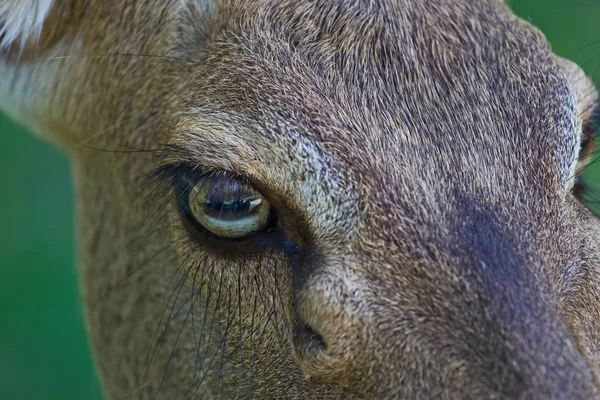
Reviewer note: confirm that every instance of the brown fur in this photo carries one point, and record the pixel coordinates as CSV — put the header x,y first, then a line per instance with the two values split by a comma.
x,y
421,155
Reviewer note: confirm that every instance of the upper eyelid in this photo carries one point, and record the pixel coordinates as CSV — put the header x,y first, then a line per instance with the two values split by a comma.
x,y
171,172
173,160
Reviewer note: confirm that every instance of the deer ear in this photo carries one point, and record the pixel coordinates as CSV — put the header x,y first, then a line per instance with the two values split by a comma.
x,y
586,102
586,96
22,21
29,27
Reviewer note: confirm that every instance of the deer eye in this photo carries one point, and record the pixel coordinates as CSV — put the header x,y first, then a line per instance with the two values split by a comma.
x,y
225,208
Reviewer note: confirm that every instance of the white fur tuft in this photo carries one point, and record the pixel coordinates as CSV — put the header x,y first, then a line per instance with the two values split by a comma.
x,y
21,20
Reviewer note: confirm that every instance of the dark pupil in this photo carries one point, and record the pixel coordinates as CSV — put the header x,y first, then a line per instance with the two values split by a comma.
x,y
245,206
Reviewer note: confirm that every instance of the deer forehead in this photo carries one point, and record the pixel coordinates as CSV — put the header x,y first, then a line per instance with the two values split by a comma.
x,y
425,93
427,90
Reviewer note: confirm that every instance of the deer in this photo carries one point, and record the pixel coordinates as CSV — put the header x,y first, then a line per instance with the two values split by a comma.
x,y
319,199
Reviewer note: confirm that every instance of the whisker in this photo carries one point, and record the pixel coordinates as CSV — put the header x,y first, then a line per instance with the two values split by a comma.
x,y
252,349
205,315
168,85
192,306
562,13
221,348
99,55
225,339
239,297
136,270
168,322
197,369
213,319
149,358
171,355
267,307
145,114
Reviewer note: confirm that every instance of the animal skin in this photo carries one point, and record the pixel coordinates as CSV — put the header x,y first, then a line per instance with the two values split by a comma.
x,y
421,157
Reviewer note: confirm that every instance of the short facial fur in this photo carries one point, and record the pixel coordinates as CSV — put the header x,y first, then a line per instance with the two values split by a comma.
x,y
421,155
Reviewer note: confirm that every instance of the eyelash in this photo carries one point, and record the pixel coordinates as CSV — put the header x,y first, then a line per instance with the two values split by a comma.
x,y
176,173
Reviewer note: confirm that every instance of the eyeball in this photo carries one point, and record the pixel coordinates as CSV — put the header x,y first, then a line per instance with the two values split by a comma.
x,y
226,208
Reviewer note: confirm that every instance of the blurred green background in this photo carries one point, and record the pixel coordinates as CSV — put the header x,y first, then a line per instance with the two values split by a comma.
x,y
44,352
